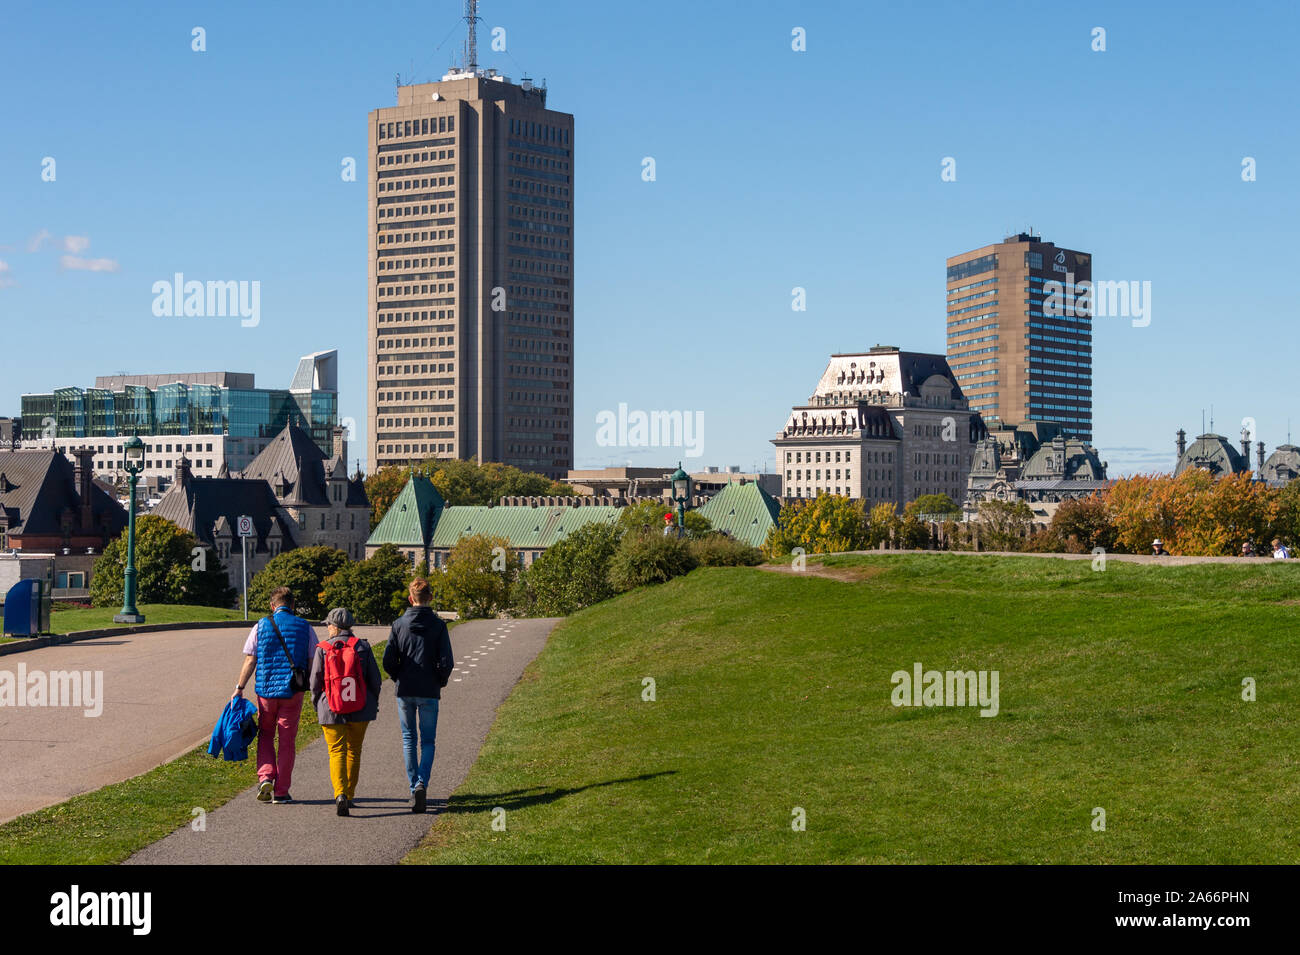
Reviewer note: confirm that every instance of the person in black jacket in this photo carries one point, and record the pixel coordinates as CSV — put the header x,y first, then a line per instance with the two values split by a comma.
x,y
418,658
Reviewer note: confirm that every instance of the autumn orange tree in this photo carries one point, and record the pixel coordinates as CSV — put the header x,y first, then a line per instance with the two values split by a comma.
x,y
1284,515
824,524
1194,514
1078,526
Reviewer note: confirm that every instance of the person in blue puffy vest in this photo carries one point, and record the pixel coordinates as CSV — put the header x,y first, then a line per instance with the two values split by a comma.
x,y
275,656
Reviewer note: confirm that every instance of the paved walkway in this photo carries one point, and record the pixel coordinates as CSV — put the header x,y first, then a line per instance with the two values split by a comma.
x,y
161,694
491,656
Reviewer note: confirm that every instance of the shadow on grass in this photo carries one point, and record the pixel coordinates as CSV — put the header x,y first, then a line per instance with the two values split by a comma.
x,y
522,798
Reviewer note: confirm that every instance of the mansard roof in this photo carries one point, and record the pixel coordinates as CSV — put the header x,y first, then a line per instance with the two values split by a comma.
x,y
1213,453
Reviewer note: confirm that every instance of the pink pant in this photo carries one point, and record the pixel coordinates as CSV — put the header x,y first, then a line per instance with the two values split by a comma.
x,y
277,718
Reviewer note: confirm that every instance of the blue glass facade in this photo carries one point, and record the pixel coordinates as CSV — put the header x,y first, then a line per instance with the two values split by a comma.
x,y
179,409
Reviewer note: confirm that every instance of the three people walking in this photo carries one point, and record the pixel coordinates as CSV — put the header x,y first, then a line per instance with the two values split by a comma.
x,y
345,683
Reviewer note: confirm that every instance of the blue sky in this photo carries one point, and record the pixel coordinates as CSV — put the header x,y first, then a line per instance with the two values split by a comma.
x,y
774,169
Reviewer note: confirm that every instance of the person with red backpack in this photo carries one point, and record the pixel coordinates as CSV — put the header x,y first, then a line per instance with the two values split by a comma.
x,y
345,684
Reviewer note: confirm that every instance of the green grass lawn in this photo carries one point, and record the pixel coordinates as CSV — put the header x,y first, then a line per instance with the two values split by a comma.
x,y
109,824
66,621
1119,689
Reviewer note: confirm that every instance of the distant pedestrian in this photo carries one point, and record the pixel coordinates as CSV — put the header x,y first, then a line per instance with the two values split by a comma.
x,y
419,659
1248,549
345,684
1158,548
1280,550
280,649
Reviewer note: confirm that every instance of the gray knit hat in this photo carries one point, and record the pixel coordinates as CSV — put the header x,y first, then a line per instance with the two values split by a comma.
x,y
340,617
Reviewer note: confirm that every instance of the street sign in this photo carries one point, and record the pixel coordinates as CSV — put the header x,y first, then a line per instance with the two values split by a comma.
x,y
244,525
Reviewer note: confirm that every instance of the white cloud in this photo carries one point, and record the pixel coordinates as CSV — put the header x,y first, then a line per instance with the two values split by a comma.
x,y
76,244
76,264
35,242
4,266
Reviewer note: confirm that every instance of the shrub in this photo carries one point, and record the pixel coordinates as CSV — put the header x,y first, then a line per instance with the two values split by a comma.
x,y
722,550
572,574
649,557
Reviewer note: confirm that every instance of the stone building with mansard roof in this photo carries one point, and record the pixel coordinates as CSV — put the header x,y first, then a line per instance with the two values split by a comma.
x,y
883,425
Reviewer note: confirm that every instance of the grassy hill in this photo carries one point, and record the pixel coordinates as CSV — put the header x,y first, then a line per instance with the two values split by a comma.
x,y
1119,689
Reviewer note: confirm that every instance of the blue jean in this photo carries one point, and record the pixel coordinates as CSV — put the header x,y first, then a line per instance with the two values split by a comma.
x,y
418,712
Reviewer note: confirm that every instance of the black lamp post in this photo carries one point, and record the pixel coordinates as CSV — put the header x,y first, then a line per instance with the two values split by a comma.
x,y
681,494
133,462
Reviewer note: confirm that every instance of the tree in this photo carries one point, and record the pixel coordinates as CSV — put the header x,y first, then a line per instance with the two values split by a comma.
x,y
460,482
1005,524
304,571
1078,526
170,568
382,489
1284,514
882,524
649,515
913,532
647,557
935,505
1235,509
572,574
374,589
480,572
824,524
1139,512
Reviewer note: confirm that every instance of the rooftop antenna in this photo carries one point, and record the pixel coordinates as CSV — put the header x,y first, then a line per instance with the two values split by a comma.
x,y
471,42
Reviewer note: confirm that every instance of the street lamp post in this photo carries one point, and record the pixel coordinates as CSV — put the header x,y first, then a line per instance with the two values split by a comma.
x,y
133,462
681,494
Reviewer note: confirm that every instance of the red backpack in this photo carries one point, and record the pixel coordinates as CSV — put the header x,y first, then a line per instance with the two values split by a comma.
x,y
345,684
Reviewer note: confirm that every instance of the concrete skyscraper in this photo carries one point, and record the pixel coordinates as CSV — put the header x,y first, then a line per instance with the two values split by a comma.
x,y
471,274
1015,359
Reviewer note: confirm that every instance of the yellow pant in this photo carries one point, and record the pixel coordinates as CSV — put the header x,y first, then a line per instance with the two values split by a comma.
x,y
344,742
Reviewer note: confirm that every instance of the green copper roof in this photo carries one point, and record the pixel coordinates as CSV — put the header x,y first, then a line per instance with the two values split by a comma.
x,y
745,511
411,519
524,526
